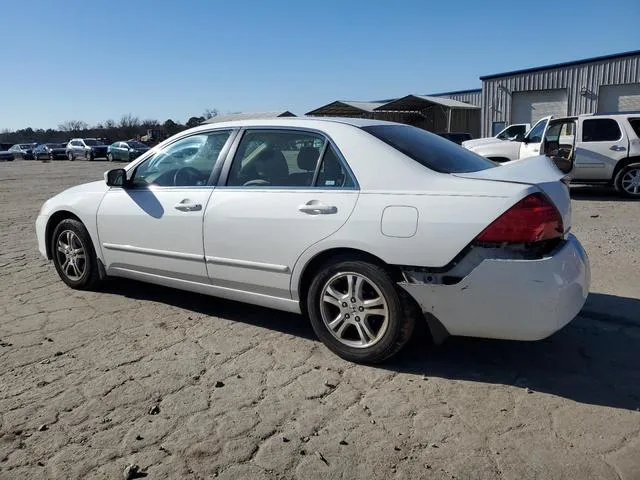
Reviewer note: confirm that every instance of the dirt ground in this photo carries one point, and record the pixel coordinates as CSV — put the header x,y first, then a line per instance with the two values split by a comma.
x,y
188,386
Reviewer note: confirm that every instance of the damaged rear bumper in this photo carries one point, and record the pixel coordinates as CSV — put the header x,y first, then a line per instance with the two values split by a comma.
x,y
511,299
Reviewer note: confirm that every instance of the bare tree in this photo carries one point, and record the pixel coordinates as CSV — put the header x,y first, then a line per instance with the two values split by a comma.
x,y
210,113
109,124
73,126
129,121
150,123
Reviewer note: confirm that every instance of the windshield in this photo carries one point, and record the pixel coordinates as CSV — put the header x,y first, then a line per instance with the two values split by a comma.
x,y
55,145
511,132
92,143
429,150
26,145
137,145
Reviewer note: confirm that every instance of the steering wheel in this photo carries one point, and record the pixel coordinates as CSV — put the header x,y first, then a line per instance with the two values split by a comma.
x,y
187,177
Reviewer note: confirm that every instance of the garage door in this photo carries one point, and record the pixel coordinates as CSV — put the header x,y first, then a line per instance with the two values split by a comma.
x,y
619,98
529,107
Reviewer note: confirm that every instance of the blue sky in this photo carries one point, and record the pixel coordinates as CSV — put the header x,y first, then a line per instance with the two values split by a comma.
x,y
97,59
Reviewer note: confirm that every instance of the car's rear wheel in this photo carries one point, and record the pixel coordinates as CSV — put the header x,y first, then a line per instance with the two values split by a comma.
x,y
52,157
70,156
89,155
627,181
74,256
357,310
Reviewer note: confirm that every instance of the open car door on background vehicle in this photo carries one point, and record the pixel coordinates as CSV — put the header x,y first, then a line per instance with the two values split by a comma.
x,y
559,143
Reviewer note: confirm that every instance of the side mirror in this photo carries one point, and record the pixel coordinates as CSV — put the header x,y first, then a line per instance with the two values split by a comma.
x,y
116,177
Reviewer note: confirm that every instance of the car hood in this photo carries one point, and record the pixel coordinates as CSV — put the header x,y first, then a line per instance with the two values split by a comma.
x,y
538,171
98,186
480,141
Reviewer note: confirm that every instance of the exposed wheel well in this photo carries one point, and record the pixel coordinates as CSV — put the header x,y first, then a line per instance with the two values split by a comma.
x,y
499,159
623,163
338,254
54,220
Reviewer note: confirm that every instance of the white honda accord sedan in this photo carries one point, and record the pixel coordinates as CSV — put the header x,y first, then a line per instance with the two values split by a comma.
x,y
365,226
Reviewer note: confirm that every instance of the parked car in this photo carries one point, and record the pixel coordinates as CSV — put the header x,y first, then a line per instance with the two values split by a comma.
x,y
455,137
87,148
600,148
129,150
23,151
50,151
366,226
523,146
512,132
5,154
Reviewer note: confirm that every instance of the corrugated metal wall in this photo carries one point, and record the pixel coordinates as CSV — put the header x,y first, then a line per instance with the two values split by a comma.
x,y
473,97
496,92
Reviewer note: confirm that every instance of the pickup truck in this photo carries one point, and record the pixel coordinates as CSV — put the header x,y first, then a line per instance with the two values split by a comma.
x,y
597,148
523,146
509,133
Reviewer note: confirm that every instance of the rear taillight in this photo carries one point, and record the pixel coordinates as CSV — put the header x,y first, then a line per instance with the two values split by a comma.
x,y
532,219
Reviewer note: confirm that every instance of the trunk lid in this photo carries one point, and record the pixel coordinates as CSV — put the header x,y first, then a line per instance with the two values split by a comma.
x,y
540,172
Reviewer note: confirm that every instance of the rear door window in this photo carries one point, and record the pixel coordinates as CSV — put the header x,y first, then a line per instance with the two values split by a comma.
x,y
635,124
600,130
429,150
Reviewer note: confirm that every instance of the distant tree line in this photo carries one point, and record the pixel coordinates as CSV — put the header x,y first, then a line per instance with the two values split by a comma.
x,y
128,127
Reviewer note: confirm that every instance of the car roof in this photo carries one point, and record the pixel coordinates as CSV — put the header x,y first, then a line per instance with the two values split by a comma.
x,y
309,122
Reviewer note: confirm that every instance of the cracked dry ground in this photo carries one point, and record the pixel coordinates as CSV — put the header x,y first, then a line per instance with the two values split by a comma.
x,y
79,372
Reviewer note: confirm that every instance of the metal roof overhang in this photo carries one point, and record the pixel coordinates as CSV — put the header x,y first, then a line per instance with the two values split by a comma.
x,y
342,108
419,103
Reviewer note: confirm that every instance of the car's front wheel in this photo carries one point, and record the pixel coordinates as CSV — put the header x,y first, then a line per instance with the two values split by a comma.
x,y
357,310
74,256
89,156
110,157
70,156
627,181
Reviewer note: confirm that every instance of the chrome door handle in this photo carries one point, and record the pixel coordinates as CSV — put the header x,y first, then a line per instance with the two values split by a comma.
x,y
314,207
187,205
617,148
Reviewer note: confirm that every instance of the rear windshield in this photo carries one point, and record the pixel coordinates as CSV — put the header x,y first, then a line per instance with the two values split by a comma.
x,y
92,143
429,150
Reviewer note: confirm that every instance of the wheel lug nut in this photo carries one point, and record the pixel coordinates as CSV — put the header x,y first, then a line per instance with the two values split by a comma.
x,y
344,304
353,300
361,309
346,316
357,319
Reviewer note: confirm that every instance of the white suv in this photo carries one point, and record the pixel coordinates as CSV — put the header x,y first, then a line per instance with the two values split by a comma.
x,y
597,148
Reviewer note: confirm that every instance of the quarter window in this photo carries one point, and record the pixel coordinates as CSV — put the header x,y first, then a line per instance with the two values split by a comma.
x,y
185,163
600,130
332,173
276,158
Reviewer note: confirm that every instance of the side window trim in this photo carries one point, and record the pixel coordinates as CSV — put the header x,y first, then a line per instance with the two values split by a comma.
x,y
217,167
226,169
316,172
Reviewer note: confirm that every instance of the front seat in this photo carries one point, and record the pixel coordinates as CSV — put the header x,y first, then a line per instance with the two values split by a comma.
x,y
307,161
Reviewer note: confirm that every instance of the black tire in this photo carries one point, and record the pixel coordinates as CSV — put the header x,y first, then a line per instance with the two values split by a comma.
x,y
51,157
90,277
401,320
621,181
110,157
70,156
89,156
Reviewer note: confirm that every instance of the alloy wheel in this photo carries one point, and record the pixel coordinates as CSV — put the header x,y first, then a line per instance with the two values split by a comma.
x,y
631,181
354,310
71,255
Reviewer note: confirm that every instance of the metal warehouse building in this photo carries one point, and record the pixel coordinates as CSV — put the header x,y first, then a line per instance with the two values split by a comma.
x,y
600,84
